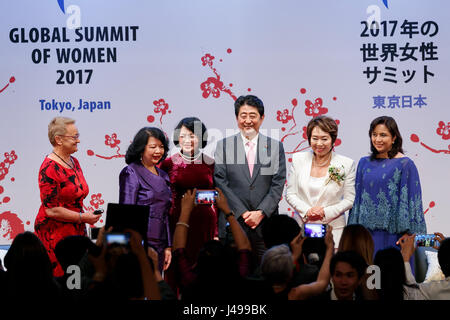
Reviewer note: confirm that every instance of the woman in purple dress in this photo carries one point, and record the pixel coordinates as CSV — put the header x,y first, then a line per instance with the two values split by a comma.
x,y
189,169
143,183
388,194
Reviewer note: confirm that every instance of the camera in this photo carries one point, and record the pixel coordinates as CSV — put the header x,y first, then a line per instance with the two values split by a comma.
x,y
426,240
315,230
117,238
205,196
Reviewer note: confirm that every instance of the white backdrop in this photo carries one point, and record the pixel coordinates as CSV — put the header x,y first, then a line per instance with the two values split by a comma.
x,y
152,63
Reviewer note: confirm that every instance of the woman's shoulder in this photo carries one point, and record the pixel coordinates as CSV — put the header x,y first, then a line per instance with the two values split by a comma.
x,y
343,159
129,170
207,160
302,156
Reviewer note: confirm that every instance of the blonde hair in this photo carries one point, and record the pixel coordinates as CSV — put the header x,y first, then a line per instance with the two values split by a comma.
x,y
57,127
356,237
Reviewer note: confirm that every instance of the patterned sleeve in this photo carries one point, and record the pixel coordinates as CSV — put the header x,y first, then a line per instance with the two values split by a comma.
x,y
411,208
49,186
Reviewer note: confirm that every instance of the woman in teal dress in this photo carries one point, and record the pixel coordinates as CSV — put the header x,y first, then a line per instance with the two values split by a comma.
x,y
388,198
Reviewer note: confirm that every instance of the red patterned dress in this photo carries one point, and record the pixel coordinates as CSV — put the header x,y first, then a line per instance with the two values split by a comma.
x,y
59,187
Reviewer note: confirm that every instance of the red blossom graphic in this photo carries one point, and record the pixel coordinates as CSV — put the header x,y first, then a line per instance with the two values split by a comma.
x,y
161,107
3,170
214,85
207,60
10,157
283,116
444,130
315,109
211,86
96,200
112,142
10,225
311,110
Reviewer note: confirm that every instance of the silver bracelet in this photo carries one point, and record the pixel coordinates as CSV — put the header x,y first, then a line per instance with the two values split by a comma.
x,y
80,216
182,224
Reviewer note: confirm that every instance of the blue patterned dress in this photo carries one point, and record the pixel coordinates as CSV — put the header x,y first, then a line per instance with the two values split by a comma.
x,y
388,199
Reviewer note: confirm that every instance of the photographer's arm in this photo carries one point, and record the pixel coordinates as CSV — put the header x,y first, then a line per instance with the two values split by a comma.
x,y
239,236
182,226
306,291
149,283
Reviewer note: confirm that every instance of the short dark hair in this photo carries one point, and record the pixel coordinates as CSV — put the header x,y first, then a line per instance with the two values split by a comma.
x,y
391,125
279,229
249,100
350,257
325,124
444,256
191,123
140,140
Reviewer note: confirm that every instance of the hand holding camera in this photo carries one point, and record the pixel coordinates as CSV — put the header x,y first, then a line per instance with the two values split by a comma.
x,y
222,202
188,200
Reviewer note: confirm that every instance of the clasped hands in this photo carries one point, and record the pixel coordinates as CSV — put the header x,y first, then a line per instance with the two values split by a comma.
x,y
315,214
253,218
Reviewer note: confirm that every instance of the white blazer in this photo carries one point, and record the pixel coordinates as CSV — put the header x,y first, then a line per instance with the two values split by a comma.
x,y
334,198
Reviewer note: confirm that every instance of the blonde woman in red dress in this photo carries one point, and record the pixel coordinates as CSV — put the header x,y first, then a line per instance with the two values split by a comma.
x,y
62,188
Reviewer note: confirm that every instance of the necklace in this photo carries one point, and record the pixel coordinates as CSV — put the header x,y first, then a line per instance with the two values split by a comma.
x,y
71,166
190,158
323,164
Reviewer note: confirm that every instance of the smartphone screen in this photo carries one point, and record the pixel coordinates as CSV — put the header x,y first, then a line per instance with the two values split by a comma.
x,y
205,196
425,240
315,230
119,238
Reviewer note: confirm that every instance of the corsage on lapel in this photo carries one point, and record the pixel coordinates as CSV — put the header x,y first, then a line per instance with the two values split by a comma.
x,y
336,175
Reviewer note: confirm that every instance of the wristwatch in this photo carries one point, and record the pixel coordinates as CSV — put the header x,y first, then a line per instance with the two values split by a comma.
x,y
229,214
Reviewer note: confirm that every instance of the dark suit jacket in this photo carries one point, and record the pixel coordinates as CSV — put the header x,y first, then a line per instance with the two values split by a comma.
x,y
263,190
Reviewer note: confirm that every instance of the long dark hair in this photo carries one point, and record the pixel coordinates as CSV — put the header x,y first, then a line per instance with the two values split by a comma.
x,y
391,125
393,274
140,140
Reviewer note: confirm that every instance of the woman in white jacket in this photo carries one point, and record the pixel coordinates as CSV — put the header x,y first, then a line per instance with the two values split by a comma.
x,y
321,183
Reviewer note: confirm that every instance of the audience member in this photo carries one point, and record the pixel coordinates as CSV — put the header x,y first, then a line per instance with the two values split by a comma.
x,y
218,274
347,272
433,290
282,229
29,270
124,272
357,238
394,285
306,291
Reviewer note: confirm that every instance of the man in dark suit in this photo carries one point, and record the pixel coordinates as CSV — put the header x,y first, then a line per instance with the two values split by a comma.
x,y
250,169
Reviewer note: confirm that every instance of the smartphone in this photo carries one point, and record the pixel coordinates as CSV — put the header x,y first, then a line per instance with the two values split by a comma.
x,y
117,238
205,196
315,230
99,211
426,240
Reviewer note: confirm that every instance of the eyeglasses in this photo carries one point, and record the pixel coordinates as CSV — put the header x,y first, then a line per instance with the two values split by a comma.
x,y
75,137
